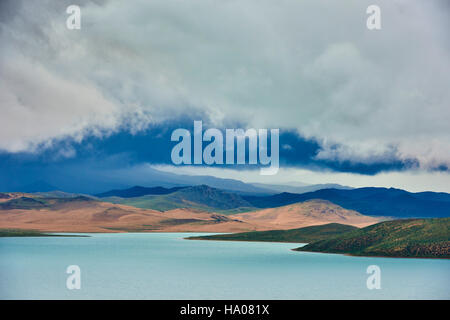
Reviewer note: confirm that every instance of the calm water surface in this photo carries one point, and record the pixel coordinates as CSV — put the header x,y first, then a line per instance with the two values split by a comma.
x,y
164,266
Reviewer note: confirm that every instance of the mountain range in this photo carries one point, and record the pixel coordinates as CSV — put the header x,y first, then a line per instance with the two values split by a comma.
x,y
150,177
300,188
369,201
200,197
95,182
379,202
86,214
203,208
138,191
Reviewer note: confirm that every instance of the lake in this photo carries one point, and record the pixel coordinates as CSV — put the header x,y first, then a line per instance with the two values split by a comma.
x,y
165,266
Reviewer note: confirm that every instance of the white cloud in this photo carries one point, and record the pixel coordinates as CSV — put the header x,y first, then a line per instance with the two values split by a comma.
x,y
412,180
310,65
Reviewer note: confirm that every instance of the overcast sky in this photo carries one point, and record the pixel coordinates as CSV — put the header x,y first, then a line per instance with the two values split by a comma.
x,y
372,104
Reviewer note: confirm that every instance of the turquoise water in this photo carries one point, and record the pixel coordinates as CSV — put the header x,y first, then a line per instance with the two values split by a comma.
x,y
164,266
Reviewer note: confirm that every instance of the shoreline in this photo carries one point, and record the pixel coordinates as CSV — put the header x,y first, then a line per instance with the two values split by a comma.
x,y
37,234
193,238
365,256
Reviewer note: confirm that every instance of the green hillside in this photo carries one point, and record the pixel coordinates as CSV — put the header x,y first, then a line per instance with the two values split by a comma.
x,y
39,202
31,233
4,196
301,235
154,202
198,197
23,203
427,238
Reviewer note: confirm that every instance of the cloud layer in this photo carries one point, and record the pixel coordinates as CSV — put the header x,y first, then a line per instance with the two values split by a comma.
x,y
365,96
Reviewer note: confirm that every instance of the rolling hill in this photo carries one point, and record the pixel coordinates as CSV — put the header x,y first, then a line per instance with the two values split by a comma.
x,y
369,201
83,214
79,213
303,214
22,203
378,202
300,188
300,235
31,202
427,238
197,197
4,196
30,233
138,191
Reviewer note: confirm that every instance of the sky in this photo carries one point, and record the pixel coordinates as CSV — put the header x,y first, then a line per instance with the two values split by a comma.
x,y
354,106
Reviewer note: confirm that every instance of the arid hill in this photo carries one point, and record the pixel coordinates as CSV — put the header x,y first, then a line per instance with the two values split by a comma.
x,y
309,213
83,214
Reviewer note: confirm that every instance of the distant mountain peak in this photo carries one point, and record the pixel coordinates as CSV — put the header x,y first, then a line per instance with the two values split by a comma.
x,y
369,201
202,186
138,191
4,196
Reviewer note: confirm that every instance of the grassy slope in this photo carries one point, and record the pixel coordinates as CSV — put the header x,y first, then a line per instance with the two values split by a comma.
x,y
199,197
155,202
4,196
428,238
25,233
301,235
39,202
22,203
138,191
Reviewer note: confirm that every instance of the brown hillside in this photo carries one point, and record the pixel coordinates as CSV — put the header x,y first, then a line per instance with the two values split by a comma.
x,y
96,216
309,213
